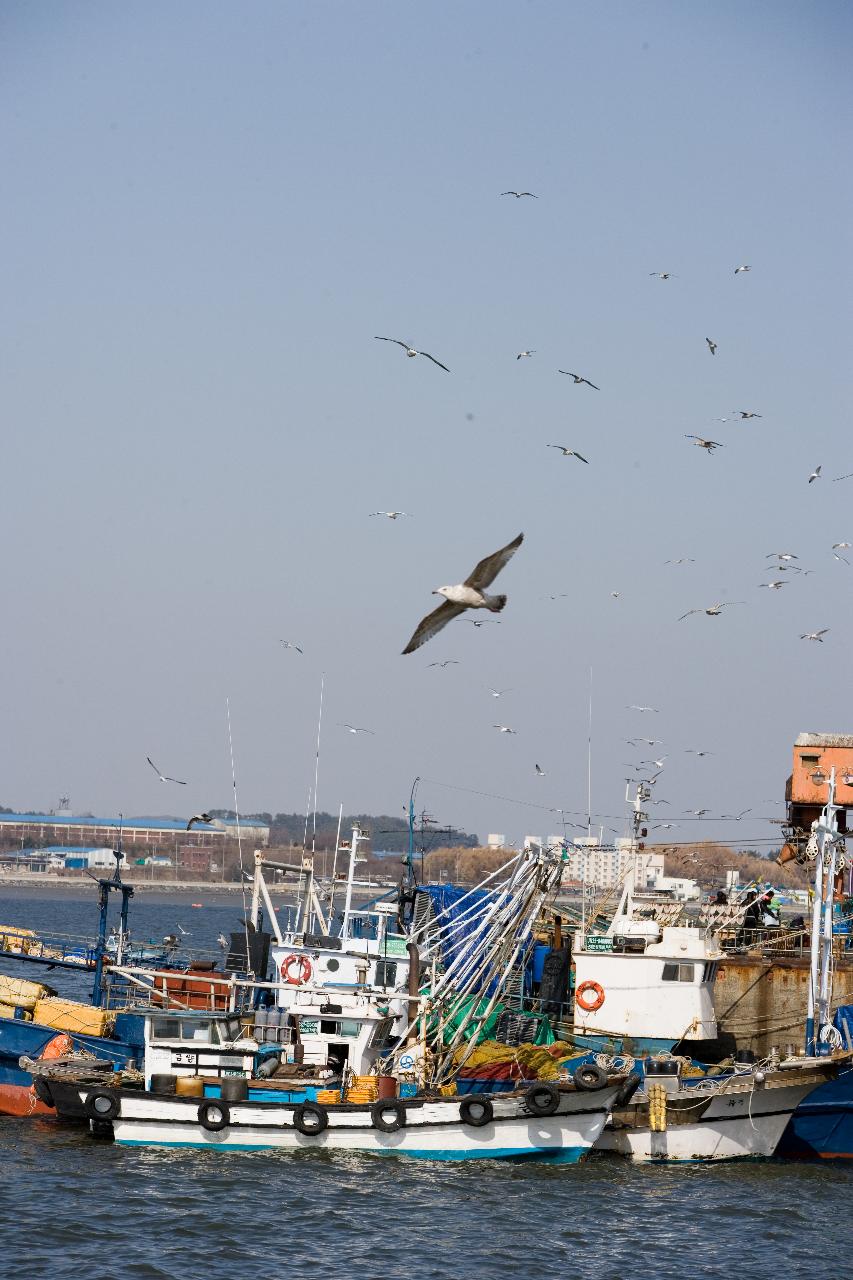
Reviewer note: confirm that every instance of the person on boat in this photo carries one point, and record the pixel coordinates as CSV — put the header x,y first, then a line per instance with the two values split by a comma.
x,y
721,900
751,920
770,915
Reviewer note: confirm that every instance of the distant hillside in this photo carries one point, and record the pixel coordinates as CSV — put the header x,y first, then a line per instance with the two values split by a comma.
x,y
388,834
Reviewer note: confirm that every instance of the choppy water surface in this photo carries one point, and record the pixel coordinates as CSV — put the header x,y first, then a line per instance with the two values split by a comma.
x,y
73,1207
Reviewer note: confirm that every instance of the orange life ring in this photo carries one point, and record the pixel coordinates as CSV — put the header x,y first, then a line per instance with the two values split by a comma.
x,y
592,1005
304,970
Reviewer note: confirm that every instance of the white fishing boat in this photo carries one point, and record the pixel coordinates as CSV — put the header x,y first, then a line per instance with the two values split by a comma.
x,y
733,1117
555,1122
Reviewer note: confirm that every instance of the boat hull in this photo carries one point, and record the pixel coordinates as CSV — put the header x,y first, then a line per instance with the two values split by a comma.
x,y
19,1039
822,1126
433,1129
732,1124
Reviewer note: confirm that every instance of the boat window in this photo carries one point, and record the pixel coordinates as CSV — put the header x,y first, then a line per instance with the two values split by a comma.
x,y
165,1029
350,1027
333,965
386,973
381,1033
328,1027
678,973
365,926
195,1030
710,971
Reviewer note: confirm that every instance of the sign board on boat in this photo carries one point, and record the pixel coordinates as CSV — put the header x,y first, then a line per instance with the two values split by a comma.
x,y
597,942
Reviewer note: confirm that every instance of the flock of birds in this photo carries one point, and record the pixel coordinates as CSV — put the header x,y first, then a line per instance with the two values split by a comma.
x,y
471,594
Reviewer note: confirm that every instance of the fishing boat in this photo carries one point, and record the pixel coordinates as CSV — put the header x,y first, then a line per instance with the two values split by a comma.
x,y
206,1092
738,1114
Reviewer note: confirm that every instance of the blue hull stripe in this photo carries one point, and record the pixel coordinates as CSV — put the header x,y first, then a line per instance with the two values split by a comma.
x,y
553,1155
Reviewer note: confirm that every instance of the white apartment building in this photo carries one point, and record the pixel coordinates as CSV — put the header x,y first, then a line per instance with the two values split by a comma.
x,y
606,865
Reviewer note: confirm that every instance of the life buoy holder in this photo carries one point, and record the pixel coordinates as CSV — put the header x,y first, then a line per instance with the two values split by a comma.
x,y
589,1006
304,970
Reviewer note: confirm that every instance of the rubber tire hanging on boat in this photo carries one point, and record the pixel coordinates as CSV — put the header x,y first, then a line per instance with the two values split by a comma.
x,y
315,1109
41,1089
208,1110
589,1076
95,1111
379,1112
476,1111
627,1090
542,1099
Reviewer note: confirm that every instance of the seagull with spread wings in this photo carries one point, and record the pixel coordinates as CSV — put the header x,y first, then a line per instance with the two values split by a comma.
x,y
714,611
448,662
198,817
746,414
578,379
288,644
635,707
815,475
503,728
815,635
352,728
569,453
662,275
773,586
497,693
519,194
701,443
540,773
391,515
738,270
522,354
781,555
712,346
164,777
470,594
412,351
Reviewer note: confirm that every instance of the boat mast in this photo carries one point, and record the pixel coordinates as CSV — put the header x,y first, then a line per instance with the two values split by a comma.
x,y
824,839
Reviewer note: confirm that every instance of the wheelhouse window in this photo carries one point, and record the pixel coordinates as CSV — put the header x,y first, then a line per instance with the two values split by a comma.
x,y
678,972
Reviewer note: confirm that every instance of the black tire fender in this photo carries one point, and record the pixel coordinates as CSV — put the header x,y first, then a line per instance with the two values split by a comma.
x,y
542,1099
388,1116
627,1090
310,1118
41,1088
102,1104
214,1116
476,1110
589,1077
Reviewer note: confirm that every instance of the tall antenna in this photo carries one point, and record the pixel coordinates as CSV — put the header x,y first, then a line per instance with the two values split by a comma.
x,y
239,830
317,762
589,763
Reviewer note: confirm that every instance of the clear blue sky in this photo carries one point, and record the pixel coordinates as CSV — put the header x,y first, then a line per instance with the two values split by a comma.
x,y
210,209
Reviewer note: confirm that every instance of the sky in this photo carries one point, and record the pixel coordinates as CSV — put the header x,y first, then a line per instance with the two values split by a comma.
x,y
211,209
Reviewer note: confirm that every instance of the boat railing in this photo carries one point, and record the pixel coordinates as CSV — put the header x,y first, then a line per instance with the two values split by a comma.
x,y
56,948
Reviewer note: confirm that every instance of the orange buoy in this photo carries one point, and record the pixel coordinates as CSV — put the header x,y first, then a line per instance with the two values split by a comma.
x,y
589,1006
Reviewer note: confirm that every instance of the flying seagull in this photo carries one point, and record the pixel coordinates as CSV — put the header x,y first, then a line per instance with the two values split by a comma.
x,y
578,379
837,546
815,635
773,586
712,346
815,475
739,269
701,443
650,742
698,813
197,817
691,751
662,275
412,351
392,515
635,707
525,353
540,773
351,728
714,611
448,662
497,693
681,560
164,777
836,556
746,414
470,594
503,728
481,622
519,194
781,555
569,453
736,817
288,644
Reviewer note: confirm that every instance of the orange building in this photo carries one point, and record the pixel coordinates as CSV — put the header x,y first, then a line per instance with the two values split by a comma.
x,y
806,791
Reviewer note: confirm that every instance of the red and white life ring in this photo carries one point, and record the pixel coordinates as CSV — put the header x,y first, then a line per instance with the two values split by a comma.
x,y
589,1006
303,973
